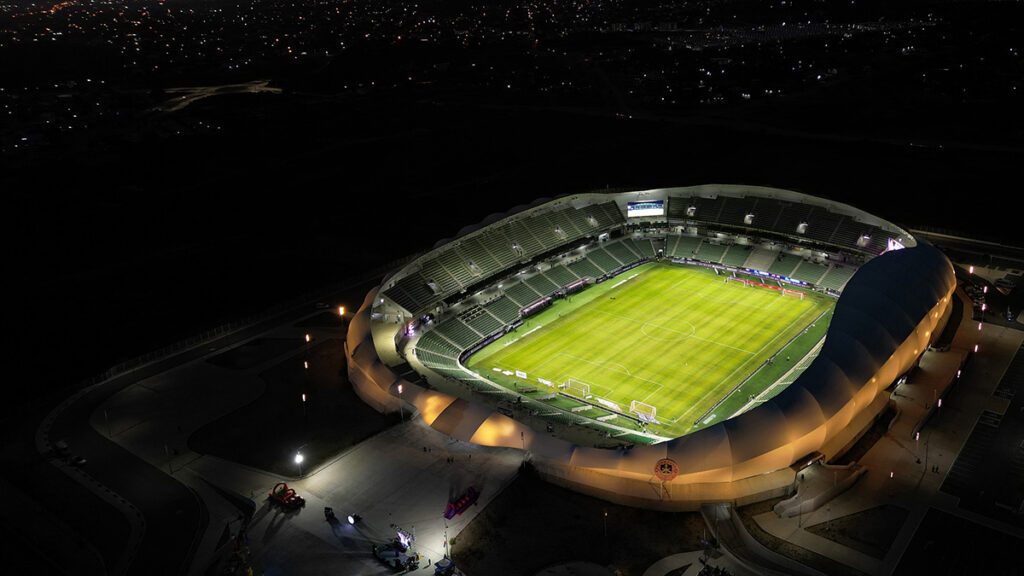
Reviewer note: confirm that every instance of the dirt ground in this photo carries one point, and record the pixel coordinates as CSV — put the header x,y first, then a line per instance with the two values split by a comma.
x,y
266,433
800,554
534,524
870,531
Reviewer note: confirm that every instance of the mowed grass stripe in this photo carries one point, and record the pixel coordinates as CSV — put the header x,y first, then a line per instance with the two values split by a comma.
x,y
677,338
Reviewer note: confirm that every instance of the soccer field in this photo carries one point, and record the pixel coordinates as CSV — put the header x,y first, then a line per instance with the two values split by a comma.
x,y
677,338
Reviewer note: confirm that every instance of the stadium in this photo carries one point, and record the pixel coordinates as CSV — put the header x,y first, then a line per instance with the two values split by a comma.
x,y
660,348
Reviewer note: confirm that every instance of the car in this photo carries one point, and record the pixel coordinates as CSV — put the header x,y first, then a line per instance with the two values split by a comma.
x,y
78,461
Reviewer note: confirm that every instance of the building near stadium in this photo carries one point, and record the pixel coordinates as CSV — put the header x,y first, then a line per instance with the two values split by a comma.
x,y
408,344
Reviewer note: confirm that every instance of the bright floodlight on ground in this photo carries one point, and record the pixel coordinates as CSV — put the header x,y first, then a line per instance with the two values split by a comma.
x,y
298,458
351,519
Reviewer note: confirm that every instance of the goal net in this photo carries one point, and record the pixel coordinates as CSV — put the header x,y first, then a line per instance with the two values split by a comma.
x,y
736,279
643,411
792,293
577,388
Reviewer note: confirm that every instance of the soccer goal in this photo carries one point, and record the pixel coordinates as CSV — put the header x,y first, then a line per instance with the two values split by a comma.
x,y
792,293
577,388
743,281
643,411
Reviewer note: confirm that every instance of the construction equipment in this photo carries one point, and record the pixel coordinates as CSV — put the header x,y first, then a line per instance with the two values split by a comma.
x,y
286,497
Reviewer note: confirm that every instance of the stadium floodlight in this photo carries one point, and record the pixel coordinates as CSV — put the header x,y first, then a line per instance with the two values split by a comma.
x,y
801,228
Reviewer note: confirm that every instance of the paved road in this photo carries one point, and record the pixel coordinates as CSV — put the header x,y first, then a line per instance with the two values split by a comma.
x,y
174,517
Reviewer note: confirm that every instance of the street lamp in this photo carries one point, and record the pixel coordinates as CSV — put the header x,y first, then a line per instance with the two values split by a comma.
x,y
298,460
401,406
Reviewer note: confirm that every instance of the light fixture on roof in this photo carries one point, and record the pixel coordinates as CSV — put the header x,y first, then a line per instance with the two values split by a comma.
x,y
748,219
691,210
801,228
863,240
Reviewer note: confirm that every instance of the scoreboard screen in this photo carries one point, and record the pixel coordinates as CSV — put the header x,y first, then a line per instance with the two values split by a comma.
x,y
648,208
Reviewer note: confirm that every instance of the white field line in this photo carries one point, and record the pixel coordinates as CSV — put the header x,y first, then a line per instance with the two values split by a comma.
x,y
621,282
604,367
783,380
709,341
715,388
698,294
523,336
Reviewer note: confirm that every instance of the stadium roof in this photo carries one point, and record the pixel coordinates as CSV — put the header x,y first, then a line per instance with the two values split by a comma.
x,y
879,310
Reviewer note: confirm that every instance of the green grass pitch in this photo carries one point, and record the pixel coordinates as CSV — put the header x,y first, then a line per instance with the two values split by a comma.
x,y
677,338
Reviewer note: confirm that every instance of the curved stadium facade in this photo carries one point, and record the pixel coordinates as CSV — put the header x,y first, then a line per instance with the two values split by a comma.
x,y
409,341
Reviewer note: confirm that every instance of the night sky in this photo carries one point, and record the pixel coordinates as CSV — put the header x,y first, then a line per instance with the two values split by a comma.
x,y
390,126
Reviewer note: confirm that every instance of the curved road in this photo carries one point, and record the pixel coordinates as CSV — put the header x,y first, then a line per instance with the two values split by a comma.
x,y
175,517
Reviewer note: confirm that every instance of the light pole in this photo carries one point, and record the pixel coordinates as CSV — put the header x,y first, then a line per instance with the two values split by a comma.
x,y
401,403
298,460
